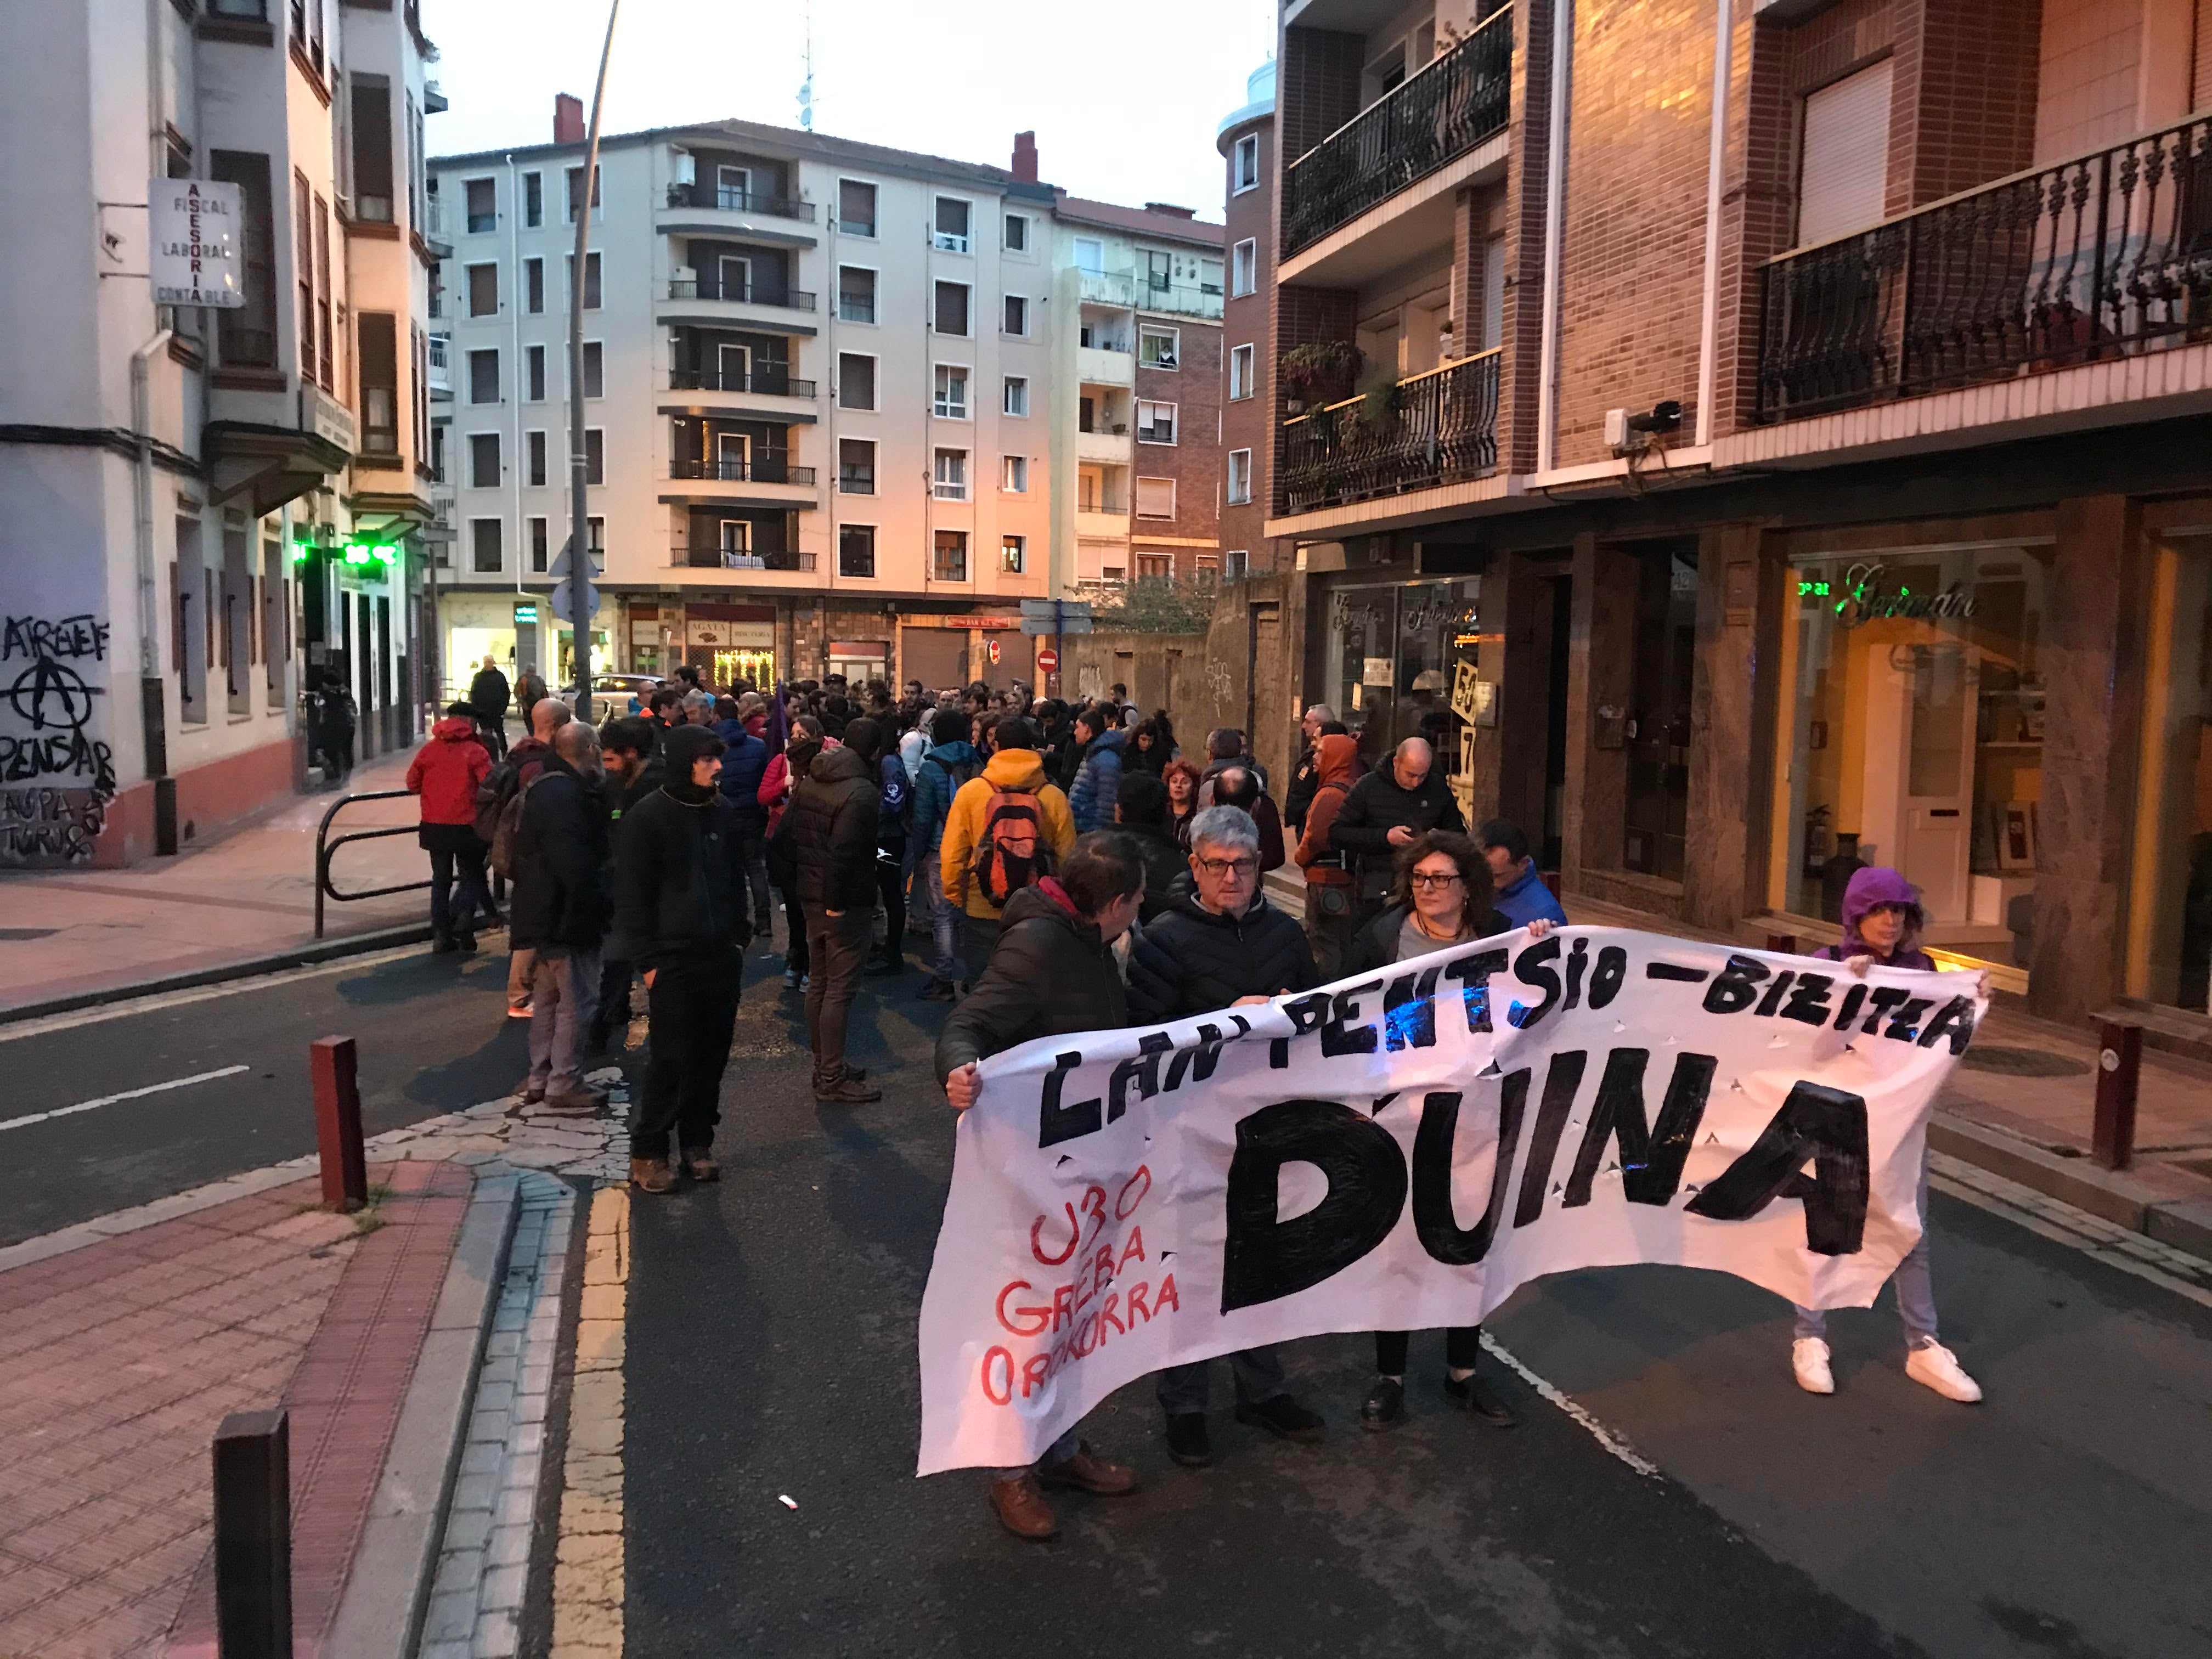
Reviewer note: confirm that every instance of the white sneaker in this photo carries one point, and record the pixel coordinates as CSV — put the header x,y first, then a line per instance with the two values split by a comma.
x,y
1936,1367
1809,1358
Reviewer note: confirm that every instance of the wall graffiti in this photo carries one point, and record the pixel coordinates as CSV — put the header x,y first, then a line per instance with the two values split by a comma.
x,y
50,691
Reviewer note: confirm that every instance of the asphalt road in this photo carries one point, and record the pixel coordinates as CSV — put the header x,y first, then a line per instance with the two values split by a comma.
x,y
771,1352
432,1037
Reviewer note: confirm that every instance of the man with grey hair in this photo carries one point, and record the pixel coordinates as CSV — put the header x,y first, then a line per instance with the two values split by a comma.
x,y
1384,812
698,708
1305,777
1220,942
561,908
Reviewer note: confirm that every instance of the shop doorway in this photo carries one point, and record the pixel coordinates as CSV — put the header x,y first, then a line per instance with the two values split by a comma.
x,y
1657,732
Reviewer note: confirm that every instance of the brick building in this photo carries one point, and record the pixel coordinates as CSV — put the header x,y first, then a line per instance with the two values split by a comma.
x,y
1247,143
1793,416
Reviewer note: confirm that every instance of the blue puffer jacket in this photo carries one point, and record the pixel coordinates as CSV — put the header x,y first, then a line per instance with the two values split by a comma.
x,y
1097,782
934,789
744,759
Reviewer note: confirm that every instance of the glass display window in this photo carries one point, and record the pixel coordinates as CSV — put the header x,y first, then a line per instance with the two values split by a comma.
x,y
1392,652
2170,896
1912,737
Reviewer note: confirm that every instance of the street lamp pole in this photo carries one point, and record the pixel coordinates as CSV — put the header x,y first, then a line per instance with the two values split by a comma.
x,y
579,559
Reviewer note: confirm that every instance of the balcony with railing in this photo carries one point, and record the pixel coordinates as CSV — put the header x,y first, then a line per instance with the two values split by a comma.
x,y
688,554
439,358
2106,255
762,466
727,198
1431,118
754,294
759,382
1429,430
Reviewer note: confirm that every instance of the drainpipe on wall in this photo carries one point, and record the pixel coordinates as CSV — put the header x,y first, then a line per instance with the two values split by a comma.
x,y
155,722
1716,167
1555,191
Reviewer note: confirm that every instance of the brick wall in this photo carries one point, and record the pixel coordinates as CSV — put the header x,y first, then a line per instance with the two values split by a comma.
x,y
1303,316
1633,258
2090,69
1964,112
1195,460
1316,86
1522,323
1250,321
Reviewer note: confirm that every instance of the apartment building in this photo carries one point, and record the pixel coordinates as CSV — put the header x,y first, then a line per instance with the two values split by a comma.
x,y
830,395
1760,438
206,513
1142,464
1247,142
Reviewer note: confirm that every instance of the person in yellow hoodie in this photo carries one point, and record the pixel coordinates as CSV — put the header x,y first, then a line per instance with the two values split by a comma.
x,y
1008,829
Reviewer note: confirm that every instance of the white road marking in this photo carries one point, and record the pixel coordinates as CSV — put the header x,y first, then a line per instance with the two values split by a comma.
x,y
229,987
128,1094
1598,1432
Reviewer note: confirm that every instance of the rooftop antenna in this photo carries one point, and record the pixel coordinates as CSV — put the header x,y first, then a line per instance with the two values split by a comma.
x,y
806,86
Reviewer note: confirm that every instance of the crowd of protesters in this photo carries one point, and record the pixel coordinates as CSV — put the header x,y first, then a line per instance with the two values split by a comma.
x,y
1053,867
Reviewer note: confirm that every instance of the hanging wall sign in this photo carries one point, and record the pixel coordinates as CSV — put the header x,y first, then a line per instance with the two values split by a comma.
x,y
193,243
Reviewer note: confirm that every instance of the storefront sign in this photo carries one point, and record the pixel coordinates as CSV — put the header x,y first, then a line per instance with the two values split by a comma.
x,y
193,243
1864,597
729,636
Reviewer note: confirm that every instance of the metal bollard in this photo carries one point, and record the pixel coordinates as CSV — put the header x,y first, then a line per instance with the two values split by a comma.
x,y
2119,1066
253,1536
1782,945
337,1124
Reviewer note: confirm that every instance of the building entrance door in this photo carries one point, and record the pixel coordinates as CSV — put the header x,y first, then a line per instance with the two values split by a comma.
x,y
1919,767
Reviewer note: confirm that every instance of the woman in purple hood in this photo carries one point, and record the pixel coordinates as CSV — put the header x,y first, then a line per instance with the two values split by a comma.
x,y
1882,923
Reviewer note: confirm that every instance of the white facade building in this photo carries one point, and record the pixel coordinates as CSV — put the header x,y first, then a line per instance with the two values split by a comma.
x,y
205,513
829,389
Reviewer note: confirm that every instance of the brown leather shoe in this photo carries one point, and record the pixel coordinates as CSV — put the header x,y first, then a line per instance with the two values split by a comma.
x,y
1022,1509
846,1093
699,1166
651,1174
1088,1472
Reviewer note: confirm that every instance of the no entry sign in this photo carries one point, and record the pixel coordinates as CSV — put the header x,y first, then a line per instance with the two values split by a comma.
x,y
1048,662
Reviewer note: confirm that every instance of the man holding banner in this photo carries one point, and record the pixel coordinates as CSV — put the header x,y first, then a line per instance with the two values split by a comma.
x,y
1052,971
1221,945
1382,1152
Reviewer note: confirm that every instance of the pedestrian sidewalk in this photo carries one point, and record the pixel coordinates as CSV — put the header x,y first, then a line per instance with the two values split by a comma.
x,y
245,897
124,1341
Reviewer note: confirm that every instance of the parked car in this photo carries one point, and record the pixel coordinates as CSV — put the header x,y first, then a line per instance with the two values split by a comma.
x,y
612,693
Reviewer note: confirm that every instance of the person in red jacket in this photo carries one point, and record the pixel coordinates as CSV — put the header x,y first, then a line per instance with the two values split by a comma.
x,y
445,773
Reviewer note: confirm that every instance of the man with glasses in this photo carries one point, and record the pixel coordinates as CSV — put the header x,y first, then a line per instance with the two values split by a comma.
x,y
1220,942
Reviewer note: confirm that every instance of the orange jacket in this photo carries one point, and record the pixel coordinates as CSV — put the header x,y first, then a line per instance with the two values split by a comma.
x,y
1337,760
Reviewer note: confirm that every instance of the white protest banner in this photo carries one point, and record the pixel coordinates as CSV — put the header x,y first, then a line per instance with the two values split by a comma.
x,y
1375,1155
193,242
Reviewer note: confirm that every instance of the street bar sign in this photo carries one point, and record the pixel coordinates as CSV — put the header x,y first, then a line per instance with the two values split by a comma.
x,y
193,243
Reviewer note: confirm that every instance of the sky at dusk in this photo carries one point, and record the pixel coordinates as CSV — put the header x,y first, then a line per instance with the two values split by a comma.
x,y
1125,104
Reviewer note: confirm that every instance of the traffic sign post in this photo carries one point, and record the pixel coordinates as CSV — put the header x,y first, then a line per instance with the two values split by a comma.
x,y
1048,662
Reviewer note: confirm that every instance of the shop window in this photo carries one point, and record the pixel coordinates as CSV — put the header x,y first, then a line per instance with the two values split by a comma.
x,y
2170,918
1656,736
1913,738
1392,652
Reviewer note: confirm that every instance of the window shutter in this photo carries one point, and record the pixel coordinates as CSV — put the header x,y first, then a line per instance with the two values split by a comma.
x,y
1844,170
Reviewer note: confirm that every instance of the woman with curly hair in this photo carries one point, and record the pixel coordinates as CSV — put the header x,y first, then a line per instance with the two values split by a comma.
x,y
1441,898
1182,779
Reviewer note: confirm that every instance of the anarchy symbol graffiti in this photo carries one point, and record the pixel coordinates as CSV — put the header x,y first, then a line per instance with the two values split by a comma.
x,y
51,697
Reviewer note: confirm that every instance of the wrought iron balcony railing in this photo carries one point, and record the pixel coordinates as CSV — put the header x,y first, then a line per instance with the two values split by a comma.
x,y
711,288
1435,117
1437,429
766,383
728,468
2106,255
725,199
712,555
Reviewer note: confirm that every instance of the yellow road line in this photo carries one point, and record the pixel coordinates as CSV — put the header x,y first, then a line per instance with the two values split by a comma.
x,y
587,1573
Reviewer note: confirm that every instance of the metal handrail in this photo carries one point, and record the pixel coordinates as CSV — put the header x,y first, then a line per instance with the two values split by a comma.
x,y
325,846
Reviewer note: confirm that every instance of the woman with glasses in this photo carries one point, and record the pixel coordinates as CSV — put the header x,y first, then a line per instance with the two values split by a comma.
x,y
1442,898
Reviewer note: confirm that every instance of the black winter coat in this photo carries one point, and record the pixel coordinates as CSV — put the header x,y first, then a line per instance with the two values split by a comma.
x,y
1049,973
679,879
1165,860
1189,961
1377,804
833,816
1376,945
560,863
489,695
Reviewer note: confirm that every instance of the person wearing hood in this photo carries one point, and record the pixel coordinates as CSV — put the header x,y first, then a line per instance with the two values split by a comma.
x,y
1329,882
950,762
1091,800
1883,921
445,772
1220,944
1052,973
894,812
680,905
913,744
1006,828
628,753
834,816
744,763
